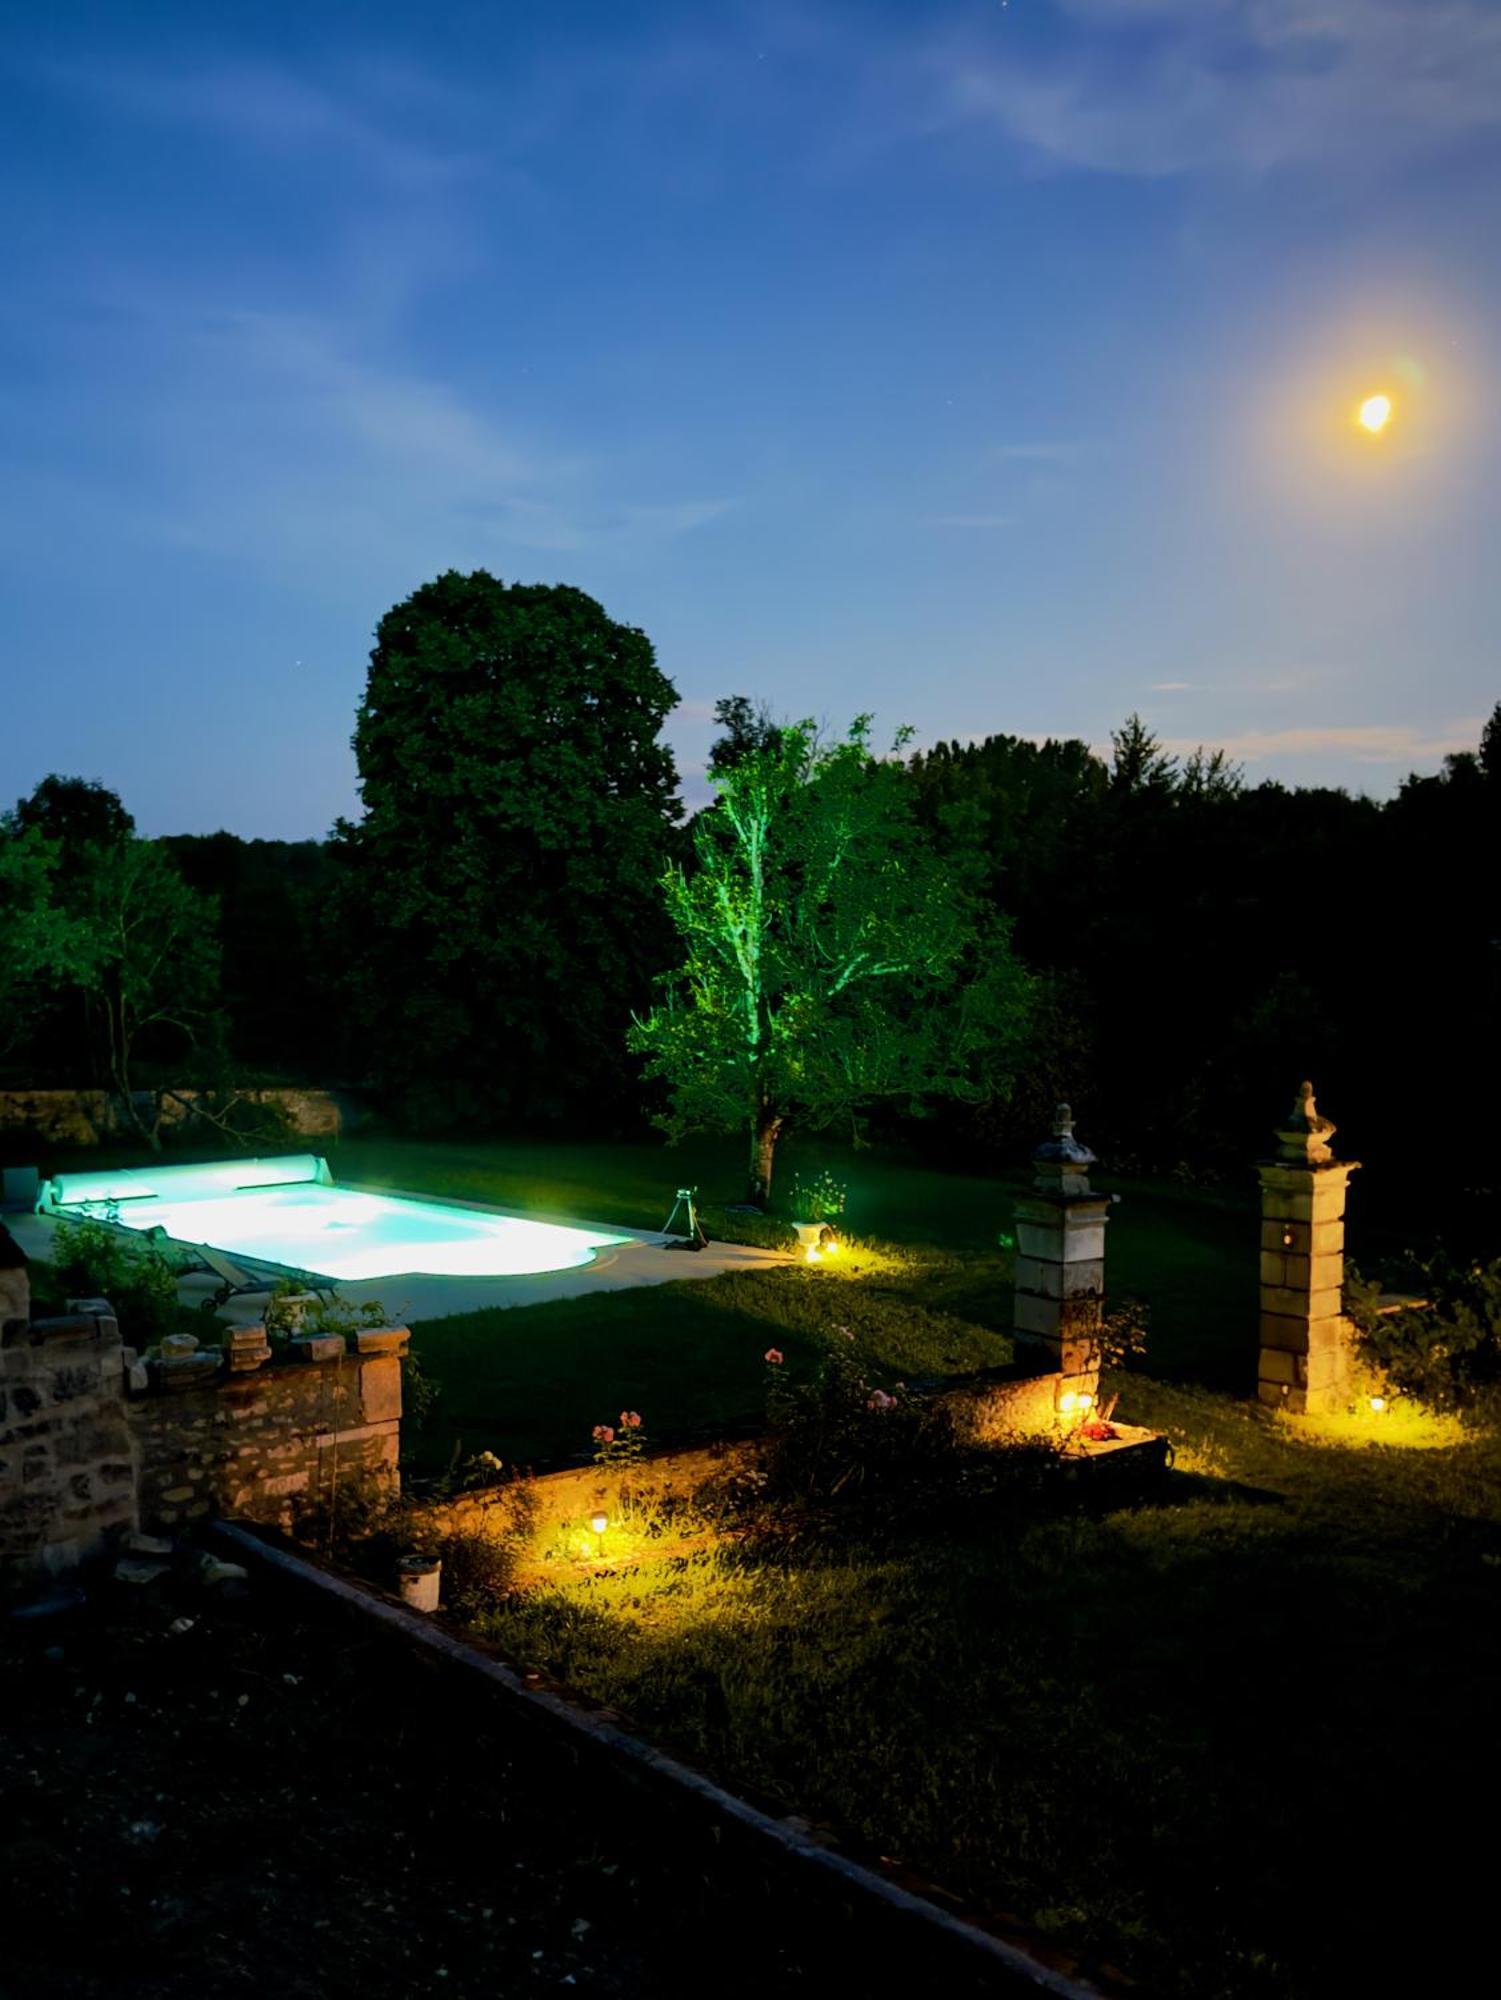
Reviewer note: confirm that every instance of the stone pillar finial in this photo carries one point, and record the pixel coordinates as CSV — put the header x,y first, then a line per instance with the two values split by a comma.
x,y
1305,1339
1062,1161
1305,1133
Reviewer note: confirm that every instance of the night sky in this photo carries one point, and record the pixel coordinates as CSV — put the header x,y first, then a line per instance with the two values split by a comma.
x,y
991,367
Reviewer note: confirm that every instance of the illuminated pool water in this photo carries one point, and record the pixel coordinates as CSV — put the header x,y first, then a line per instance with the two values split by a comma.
x,y
288,1212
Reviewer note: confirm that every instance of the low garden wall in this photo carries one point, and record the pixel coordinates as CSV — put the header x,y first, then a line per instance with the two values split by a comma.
x,y
260,1445
984,1413
96,1440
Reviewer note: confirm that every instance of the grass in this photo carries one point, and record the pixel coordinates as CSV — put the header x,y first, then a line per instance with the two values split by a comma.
x,y
1229,1742
530,1382
1235,1741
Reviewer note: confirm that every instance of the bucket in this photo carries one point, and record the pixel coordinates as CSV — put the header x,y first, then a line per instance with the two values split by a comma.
x,y
418,1578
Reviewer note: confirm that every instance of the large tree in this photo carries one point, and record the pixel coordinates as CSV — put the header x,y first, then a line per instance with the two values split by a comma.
x,y
831,958
499,911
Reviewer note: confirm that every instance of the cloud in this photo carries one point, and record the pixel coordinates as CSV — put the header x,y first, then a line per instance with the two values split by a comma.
x,y
1159,87
1172,687
1365,743
274,438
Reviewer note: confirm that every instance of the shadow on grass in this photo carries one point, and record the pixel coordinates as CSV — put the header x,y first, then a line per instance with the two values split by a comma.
x,y
1191,1737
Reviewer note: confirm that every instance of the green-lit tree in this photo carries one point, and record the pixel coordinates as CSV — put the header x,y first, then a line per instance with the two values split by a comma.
x,y
831,958
499,910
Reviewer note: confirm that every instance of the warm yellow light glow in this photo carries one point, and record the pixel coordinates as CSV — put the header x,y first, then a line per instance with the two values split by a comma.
x,y
1074,1402
1375,414
599,1522
814,1254
831,1248
1378,1404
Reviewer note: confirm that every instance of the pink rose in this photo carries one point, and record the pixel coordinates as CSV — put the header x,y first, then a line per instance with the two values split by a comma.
x,y
603,1434
631,1419
881,1401
774,1356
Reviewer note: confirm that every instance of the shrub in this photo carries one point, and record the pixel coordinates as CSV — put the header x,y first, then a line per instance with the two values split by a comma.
x,y
1446,1353
839,1436
479,1569
92,1260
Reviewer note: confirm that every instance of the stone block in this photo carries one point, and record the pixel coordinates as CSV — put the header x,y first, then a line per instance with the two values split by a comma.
x,y
380,1388
1279,1365
1285,1330
1039,1317
1063,1236
1041,1275
1283,1236
1296,1304
1328,1369
318,1347
382,1340
177,1373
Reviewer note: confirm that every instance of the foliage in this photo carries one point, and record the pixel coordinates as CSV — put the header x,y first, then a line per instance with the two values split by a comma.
x,y
518,801
837,1435
105,917
292,1309
1177,1000
77,813
832,958
817,1197
619,1448
281,955
92,1260
749,728
1447,1351
1124,1331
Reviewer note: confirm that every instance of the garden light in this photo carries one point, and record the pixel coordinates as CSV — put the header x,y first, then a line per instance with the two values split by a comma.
x,y
1378,1404
599,1522
1075,1400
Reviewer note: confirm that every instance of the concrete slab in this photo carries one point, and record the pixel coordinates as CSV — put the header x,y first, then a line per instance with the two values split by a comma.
x,y
643,1260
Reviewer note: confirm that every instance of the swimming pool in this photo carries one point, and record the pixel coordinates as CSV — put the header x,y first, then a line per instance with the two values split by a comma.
x,y
288,1212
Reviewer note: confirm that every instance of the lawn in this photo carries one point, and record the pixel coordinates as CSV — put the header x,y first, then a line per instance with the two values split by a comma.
x,y
530,1382
1232,1742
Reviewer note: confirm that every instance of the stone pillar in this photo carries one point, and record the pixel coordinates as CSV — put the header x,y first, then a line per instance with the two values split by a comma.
x,y
1305,1339
1060,1262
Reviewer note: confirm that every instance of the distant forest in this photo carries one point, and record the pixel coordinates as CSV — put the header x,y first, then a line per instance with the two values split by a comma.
x,y
473,950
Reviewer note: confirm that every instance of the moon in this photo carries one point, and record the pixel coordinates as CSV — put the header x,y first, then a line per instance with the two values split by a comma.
x,y
1375,414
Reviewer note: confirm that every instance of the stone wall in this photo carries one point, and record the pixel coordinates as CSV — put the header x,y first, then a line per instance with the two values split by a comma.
x,y
67,1475
256,1446
88,1117
95,1441
984,1413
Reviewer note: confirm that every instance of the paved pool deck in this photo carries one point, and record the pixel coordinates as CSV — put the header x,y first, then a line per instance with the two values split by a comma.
x,y
645,1259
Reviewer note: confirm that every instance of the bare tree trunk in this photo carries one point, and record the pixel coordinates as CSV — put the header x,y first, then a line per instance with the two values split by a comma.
x,y
765,1131
120,1078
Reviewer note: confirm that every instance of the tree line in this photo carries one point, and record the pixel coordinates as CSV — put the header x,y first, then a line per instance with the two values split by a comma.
x,y
523,930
